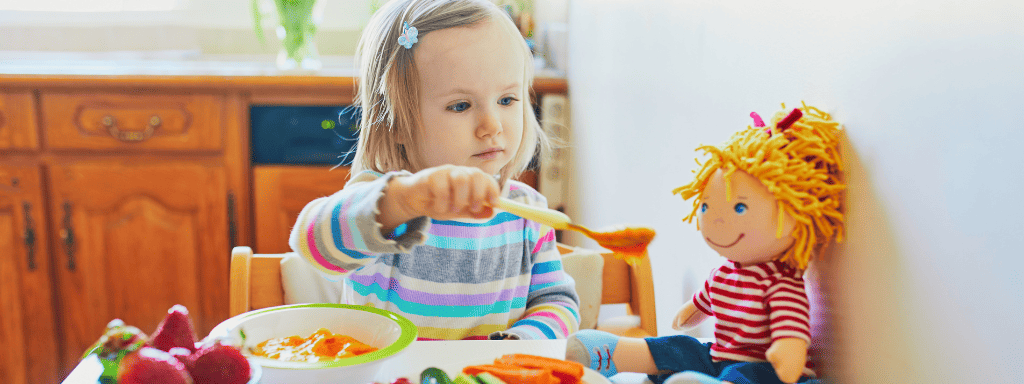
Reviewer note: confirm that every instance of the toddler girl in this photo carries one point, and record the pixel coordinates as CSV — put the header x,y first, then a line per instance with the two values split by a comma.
x,y
446,123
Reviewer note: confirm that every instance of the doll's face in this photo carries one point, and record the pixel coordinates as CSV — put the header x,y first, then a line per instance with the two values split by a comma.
x,y
743,229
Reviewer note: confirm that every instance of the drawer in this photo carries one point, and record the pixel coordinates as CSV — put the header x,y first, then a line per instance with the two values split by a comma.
x,y
125,121
18,120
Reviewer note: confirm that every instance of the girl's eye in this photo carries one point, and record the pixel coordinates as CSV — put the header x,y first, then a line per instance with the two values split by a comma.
x,y
703,207
507,100
461,106
740,208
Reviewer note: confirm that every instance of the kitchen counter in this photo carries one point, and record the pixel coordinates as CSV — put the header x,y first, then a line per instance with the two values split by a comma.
x,y
185,68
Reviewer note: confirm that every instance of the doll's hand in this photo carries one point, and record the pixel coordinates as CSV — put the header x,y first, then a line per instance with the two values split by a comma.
x,y
788,356
446,192
688,317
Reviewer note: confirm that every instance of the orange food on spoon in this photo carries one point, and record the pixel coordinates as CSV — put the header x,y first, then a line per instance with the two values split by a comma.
x,y
629,244
322,345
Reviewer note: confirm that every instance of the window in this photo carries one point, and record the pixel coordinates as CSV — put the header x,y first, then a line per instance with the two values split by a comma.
x,y
91,5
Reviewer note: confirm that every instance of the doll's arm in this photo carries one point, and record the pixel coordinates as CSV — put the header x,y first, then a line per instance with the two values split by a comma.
x,y
788,356
689,316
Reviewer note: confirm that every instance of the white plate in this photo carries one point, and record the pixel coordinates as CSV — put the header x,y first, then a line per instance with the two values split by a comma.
x,y
591,376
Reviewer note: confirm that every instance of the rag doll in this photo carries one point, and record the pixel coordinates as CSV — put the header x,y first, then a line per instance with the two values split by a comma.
x,y
768,200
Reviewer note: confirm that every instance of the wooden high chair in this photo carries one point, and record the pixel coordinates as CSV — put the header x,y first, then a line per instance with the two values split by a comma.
x,y
256,283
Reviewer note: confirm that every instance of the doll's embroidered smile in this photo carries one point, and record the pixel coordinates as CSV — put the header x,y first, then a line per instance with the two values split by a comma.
x,y
725,246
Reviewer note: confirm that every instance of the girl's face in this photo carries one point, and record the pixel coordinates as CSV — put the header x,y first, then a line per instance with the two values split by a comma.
x,y
743,229
471,96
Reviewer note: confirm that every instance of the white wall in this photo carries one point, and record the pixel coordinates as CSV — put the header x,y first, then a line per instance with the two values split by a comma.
x,y
338,14
198,26
932,95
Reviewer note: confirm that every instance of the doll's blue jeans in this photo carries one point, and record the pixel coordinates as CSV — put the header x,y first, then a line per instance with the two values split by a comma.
x,y
680,353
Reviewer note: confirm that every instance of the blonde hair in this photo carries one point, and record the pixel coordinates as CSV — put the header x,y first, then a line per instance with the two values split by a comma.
x,y
800,165
388,84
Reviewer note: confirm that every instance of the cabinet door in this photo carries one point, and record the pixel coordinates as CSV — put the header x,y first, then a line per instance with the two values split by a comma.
x,y
28,352
17,121
280,194
135,239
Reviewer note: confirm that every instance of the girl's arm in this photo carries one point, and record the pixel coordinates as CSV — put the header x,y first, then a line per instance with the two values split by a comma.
x,y
340,233
552,306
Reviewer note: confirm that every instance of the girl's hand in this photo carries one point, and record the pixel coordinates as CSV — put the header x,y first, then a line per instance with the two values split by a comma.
x,y
443,193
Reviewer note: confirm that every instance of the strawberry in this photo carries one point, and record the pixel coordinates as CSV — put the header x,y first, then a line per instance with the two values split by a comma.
x,y
182,354
149,365
219,363
175,330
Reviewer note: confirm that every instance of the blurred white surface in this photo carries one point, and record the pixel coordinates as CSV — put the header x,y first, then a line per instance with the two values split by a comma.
x,y
932,96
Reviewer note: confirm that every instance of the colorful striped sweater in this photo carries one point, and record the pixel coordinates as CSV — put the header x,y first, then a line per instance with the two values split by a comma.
x,y
453,279
753,306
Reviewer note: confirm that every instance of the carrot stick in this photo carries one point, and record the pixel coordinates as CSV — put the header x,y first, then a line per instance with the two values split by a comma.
x,y
568,372
513,374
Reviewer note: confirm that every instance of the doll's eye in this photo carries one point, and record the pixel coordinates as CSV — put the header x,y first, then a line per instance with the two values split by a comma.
x,y
740,208
703,207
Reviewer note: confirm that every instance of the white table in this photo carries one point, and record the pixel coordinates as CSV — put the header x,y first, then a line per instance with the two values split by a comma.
x,y
449,356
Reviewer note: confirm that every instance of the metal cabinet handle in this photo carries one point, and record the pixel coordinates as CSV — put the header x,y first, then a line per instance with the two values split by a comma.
x,y
131,136
232,221
30,236
67,234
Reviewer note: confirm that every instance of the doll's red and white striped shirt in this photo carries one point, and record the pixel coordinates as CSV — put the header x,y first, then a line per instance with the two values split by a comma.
x,y
754,306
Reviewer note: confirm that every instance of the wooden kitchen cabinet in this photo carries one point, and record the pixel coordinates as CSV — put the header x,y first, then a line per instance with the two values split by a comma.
x,y
136,122
135,239
27,343
280,193
17,121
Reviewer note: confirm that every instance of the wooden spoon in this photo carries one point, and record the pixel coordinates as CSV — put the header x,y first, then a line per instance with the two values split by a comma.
x,y
629,241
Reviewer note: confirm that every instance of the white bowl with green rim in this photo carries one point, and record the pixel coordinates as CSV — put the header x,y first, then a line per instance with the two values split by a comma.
x,y
382,329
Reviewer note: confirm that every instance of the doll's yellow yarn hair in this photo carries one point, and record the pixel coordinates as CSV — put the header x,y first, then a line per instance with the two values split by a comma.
x,y
800,166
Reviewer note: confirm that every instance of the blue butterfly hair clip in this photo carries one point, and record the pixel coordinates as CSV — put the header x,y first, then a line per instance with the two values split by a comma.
x,y
408,37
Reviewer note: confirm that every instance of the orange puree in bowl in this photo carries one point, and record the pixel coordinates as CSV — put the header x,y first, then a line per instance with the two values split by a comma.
x,y
322,345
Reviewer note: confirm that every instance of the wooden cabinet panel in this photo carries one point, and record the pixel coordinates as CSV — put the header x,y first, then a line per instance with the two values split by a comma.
x,y
18,121
28,351
133,122
134,240
280,194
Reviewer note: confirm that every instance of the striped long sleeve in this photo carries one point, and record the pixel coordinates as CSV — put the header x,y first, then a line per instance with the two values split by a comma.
x,y
340,233
455,279
552,305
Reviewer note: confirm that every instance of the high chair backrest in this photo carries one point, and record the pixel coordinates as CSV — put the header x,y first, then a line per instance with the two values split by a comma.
x,y
256,283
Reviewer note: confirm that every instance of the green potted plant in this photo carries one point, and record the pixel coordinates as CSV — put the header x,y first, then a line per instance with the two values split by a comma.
x,y
296,25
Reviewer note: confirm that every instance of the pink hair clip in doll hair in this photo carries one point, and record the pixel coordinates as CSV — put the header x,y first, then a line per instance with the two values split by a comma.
x,y
782,125
758,123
